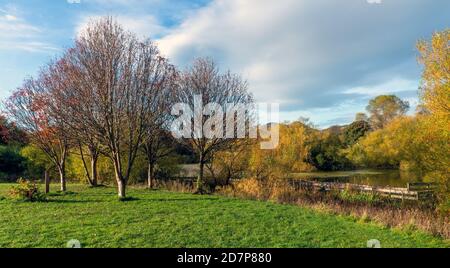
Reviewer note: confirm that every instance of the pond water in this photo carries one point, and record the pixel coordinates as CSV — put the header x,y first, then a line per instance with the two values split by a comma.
x,y
392,178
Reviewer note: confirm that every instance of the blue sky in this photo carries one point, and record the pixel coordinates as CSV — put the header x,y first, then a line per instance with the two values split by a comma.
x,y
322,59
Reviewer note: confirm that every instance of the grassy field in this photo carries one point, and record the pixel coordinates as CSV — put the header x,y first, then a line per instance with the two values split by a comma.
x,y
162,219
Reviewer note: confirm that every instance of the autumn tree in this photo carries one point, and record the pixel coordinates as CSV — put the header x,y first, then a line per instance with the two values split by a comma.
x,y
204,84
381,148
435,95
35,110
405,143
291,156
233,163
115,80
435,57
10,134
383,109
158,144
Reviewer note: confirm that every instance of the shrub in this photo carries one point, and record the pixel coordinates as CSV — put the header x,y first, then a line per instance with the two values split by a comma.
x,y
273,189
357,197
175,186
26,191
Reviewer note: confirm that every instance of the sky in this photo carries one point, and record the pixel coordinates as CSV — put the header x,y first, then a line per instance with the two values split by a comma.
x,y
319,59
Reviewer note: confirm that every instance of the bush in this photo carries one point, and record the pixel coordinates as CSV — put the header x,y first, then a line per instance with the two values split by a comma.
x,y
26,191
357,197
274,189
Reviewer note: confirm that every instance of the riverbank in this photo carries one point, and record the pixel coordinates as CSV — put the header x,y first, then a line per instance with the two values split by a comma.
x,y
165,219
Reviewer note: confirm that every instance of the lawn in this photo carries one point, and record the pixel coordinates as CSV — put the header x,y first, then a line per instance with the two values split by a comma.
x,y
162,219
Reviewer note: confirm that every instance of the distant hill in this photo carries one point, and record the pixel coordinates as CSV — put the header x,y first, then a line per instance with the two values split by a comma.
x,y
335,130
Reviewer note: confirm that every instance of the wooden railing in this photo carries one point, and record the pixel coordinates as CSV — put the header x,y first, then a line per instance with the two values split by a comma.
x,y
414,191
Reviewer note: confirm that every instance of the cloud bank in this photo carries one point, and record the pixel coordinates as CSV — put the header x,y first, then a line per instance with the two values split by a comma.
x,y
322,59
313,56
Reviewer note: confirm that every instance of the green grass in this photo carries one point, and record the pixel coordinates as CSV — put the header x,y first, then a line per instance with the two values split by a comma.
x,y
161,219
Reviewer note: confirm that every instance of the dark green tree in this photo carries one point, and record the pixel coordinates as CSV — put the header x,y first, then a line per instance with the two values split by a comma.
x,y
326,154
12,164
355,131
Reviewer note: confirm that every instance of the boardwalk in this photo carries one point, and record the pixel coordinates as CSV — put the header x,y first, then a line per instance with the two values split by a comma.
x,y
413,191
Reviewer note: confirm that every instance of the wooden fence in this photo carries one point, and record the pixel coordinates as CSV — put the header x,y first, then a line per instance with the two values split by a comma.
x,y
413,191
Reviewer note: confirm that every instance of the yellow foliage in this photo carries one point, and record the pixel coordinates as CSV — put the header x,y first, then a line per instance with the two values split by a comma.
x,y
289,157
274,189
435,57
413,142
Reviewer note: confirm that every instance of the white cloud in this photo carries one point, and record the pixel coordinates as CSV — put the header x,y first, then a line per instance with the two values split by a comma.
x,y
310,55
374,1
9,17
17,34
396,85
144,26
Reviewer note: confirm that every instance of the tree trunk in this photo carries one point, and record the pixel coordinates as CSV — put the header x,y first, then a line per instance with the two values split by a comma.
x,y
200,179
228,181
121,185
150,175
88,176
121,181
47,181
94,172
62,176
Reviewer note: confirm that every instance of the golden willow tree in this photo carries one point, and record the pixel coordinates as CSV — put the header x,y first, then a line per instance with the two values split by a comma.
x,y
435,93
420,142
291,156
435,57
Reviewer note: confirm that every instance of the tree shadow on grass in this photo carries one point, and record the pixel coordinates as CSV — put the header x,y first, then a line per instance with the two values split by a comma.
x,y
71,201
58,194
181,199
128,199
99,186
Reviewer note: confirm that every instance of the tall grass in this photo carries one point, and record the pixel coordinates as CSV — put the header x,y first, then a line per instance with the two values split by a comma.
x,y
362,206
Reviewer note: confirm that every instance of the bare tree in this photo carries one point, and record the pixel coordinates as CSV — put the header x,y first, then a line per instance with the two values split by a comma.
x,y
158,143
68,96
35,109
203,84
115,78
88,141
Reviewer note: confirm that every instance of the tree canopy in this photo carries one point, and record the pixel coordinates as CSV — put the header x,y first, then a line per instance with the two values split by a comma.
x,y
385,108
